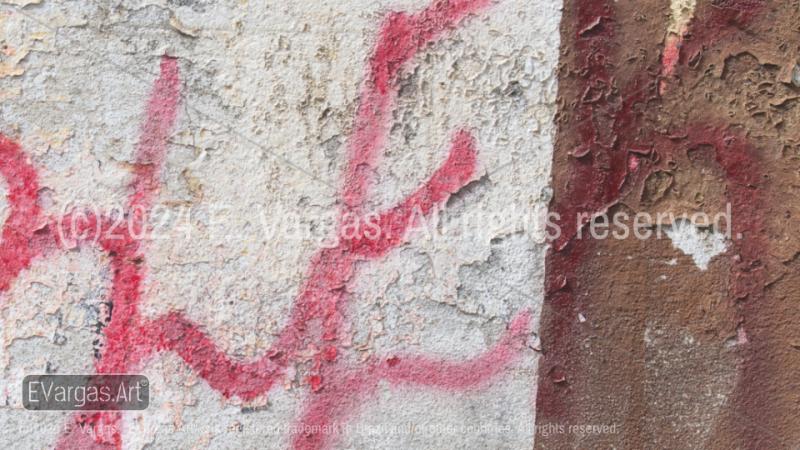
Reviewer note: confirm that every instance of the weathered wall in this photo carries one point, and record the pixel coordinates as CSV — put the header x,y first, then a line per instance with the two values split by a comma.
x,y
697,116
262,115
324,225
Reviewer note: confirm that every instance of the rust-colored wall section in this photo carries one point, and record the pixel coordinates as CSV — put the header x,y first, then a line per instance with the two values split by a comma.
x,y
676,356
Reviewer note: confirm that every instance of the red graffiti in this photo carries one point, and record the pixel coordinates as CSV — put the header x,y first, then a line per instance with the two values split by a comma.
x,y
618,150
337,387
19,244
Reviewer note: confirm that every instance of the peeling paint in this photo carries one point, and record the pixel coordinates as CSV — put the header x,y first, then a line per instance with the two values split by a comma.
x,y
402,111
613,104
182,158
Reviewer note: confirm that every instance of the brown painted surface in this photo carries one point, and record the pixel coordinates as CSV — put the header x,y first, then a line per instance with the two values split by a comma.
x,y
676,357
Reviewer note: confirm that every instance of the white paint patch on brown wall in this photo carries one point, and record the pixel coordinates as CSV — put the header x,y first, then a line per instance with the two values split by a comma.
x,y
682,12
268,86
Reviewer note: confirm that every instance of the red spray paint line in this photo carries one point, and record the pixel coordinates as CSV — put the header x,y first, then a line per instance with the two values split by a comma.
x,y
401,37
18,245
349,388
318,310
745,190
602,172
125,344
162,110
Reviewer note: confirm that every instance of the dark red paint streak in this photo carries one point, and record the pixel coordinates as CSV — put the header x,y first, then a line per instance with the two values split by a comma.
x,y
715,22
610,161
745,182
318,310
600,168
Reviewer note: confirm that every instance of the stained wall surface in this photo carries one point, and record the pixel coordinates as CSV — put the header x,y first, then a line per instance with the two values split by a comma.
x,y
385,224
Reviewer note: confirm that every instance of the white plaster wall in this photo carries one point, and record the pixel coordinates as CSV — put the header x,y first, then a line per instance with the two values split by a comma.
x,y
269,96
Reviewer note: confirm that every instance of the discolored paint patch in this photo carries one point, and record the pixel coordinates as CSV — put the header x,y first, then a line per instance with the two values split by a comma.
x,y
697,133
701,244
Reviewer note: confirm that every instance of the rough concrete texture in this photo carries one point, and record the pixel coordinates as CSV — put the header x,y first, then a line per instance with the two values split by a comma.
x,y
262,120
236,142
682,108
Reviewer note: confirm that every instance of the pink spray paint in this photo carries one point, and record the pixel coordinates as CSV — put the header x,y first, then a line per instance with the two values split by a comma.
x,y
319,309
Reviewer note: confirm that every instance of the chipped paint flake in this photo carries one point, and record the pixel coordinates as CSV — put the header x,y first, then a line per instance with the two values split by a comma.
x,y
9,65
182,28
